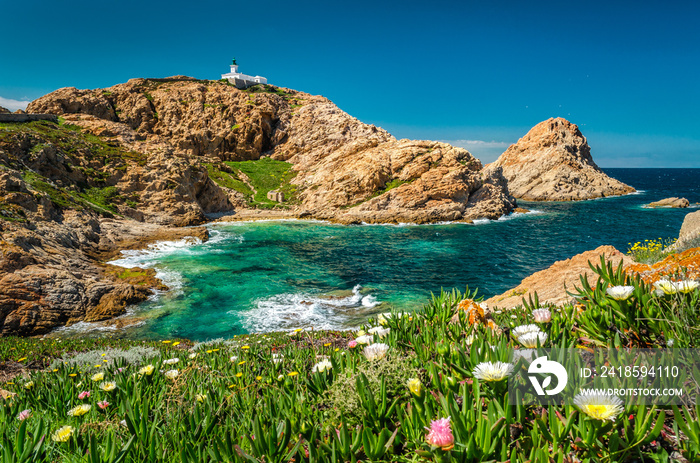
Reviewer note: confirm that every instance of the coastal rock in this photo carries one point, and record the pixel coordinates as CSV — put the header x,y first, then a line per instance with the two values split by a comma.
x,y
551,283
553,162
690,230
670,202
346,170
4,110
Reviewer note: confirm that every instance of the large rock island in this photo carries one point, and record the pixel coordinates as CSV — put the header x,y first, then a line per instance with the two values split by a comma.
x,y
553,162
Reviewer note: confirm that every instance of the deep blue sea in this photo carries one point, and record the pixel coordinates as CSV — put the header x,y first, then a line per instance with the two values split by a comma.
x,y
263,276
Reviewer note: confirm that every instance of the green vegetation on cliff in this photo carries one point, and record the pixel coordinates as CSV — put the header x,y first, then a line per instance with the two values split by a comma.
x,y
254,179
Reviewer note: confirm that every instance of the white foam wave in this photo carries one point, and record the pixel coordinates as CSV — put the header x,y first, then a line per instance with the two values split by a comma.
x,y
292,310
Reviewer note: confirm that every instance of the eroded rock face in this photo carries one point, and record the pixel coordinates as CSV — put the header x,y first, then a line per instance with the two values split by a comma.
x,y
347,170
552,283
690,230
553,162
670,202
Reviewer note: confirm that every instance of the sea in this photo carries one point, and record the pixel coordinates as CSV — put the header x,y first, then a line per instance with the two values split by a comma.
x,y
282,275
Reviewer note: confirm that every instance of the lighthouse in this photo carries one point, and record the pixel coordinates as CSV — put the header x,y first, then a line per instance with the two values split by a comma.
x,y
242,80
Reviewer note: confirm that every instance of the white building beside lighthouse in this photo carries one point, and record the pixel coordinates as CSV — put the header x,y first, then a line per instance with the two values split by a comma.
x,y
242,80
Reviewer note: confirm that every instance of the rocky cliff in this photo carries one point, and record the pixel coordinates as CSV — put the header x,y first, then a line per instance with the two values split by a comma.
x,y
126,161
341,169
553,162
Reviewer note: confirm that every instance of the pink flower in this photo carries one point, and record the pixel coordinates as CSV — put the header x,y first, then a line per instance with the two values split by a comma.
x,y
104,404
352,344
120,369
24,414
440,434
84,395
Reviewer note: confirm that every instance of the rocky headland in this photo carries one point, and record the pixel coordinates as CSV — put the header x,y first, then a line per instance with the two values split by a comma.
x,y
135,162
553,162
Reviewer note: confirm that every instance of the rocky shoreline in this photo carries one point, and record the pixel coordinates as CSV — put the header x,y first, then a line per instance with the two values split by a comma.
x,y
132,164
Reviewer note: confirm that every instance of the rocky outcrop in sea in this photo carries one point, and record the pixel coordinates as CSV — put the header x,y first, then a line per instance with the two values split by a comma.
x,y
553,162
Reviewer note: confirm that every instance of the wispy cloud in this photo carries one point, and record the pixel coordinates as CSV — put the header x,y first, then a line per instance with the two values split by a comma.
x,y
485,151
13,105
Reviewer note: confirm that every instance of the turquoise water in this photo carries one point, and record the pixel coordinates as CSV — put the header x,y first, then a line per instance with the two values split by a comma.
x,y
264,276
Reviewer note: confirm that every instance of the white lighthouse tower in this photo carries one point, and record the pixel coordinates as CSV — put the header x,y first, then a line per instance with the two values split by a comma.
x,y
242,80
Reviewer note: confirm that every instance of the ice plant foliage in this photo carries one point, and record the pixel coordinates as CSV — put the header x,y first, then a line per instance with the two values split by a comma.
x,y
599,406
490,371
440,434
620,293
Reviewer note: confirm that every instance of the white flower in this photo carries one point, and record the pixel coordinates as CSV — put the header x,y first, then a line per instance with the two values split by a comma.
x,y
192,355
667,286
375,351
171,361
488,371
323,365
470,340
530,339
364,339
669,343
381,332
687,286
542,315
276,358
171,374
620,293
523,329
233,358
600,406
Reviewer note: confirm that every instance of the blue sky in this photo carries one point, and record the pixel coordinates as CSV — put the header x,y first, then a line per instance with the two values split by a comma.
x,y
476,74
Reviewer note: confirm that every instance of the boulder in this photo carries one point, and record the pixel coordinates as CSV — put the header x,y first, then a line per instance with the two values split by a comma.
x,y
670,202
552,283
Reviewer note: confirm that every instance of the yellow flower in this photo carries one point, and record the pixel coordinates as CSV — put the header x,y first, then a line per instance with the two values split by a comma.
x,y
292,373
29,384
103,355
200,397
176,343
62,434
327,344
166,342
215,350
147,370
258,378
238,375
54,370
209,351
22,359
98,366
72,375
599,406
108,386
415,386
245,347
98,377
79,410
241,362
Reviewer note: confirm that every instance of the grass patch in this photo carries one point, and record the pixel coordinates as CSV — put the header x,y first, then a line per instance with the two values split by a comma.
x,y
228,180
95,199
266,175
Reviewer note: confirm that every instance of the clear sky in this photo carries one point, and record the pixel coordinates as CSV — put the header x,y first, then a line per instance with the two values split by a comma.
x,y
476,74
